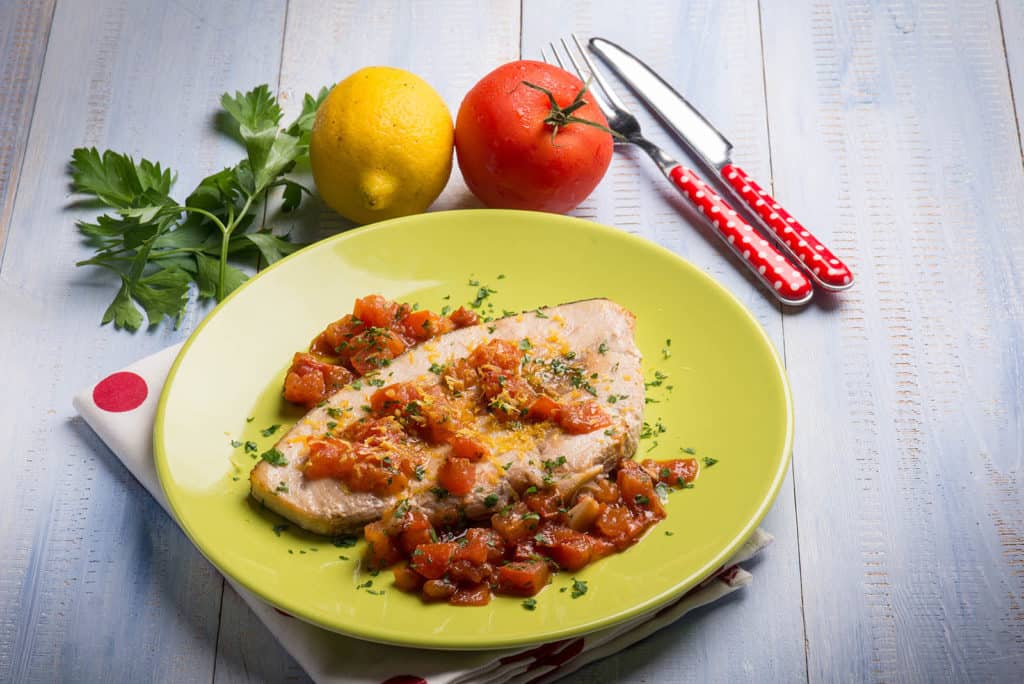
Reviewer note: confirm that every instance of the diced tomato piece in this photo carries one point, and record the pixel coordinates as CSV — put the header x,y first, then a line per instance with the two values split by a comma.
x,y
374,348
334,340
310,380
618,525
465,572
543,408
306,390
438,589
516,524
545,503
604,490
375,431
637,489
468,448
375,311
463,317
394,399
522,578
457,475
372,476
416,530
329,458
422,325
570,549
471,549
582,417
381,551
432,560
490,539
406,578
473,595
675,472
501,354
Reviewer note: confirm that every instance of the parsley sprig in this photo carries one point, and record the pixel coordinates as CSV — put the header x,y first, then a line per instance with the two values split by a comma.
x,y
158,246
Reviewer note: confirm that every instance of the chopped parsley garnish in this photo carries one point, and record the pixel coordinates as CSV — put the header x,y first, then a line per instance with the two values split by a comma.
x,y
439,492
579,588
602,348
530,604
274,457
376,382
553,463
282,487
501,276
708,461
651,400
491,328
481,294
357,385
647,430
436,369
532,489
268,431
641,500
331,425
251,447
474,283
666,351
346,542
491,500
235,444
365,585
524,344
609,432
669,533
334,412
278,529
659,378
540,314
366,408
250,419
688,450
616,397
419,471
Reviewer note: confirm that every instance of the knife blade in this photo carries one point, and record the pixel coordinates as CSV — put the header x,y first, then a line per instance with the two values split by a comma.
x,y
715,151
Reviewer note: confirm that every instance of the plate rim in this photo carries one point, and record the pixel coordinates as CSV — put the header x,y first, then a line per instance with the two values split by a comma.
x,y
432,642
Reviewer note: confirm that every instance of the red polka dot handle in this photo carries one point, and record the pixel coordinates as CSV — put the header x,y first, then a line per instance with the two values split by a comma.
x,y
786,282
824,266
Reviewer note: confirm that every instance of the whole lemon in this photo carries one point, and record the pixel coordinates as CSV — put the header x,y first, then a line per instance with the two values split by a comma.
x,y
381,145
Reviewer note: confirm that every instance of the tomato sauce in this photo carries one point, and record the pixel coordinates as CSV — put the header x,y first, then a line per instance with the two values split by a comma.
x,y
516,553
376,331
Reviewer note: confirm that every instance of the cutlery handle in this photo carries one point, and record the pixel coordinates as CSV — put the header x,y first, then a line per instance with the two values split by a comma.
x,y
786,282
824,266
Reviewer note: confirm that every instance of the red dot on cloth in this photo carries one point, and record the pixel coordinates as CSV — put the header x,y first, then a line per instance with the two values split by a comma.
x,y
120,392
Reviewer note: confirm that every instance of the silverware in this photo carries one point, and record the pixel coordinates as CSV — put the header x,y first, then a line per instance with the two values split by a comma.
x,y
772,269
715,151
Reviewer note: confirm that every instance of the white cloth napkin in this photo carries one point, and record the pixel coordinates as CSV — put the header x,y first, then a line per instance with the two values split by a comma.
x,y
121,409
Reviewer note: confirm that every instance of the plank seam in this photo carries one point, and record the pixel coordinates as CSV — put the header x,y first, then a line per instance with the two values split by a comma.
x,y
1009,78
793,474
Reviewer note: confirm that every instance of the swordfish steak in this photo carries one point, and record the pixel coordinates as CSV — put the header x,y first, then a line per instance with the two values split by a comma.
x,y
565,409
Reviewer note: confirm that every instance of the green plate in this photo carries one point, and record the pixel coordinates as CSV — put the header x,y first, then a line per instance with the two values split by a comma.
x,y
724,395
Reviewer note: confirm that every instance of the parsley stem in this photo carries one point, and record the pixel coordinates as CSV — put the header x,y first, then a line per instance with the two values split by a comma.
x,y
207,214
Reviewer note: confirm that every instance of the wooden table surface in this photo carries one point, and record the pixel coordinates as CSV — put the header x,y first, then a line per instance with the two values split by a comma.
x,y
892,128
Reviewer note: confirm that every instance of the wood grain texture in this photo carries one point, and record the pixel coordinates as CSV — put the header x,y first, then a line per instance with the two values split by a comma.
x,y
96,582
892,126
685,42
24,28
1011,14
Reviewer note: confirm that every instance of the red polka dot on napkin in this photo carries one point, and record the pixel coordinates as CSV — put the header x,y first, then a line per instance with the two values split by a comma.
x,y
120,392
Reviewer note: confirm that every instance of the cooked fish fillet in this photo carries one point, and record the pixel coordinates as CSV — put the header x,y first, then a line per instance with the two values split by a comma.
x,y
596,334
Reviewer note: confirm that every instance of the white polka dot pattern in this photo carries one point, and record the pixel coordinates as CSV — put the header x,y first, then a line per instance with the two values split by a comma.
x,y
822,264
781,278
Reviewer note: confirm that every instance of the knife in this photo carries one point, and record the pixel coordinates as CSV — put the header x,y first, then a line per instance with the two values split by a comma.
x,y
706,142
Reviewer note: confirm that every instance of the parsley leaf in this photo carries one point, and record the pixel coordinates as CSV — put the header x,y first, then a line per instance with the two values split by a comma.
x,y
158,246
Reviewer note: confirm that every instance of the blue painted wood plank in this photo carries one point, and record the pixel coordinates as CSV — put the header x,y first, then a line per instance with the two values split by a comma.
x,y
448,44
24,28
96,582
711,52
1011,13
894,139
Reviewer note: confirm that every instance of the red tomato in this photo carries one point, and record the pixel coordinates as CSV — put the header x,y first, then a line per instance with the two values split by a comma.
x,y
509,151
457,475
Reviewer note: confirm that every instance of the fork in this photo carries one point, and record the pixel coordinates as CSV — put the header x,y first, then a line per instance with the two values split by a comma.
x,y
773,270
